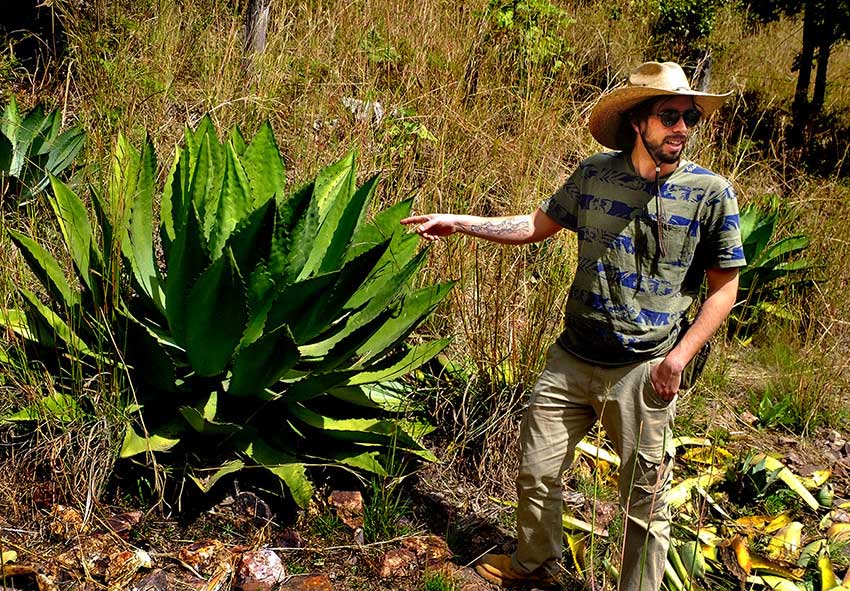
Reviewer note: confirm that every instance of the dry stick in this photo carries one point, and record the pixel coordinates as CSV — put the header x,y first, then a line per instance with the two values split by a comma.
x,y
474,560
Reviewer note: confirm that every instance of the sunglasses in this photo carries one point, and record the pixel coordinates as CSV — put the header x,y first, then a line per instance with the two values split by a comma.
x,y
670,117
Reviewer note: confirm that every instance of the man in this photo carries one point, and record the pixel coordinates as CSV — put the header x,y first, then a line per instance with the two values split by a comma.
x,y
650,226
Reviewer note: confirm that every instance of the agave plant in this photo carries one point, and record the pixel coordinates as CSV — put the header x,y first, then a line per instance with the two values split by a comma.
x,y
256,328
771,265
31,148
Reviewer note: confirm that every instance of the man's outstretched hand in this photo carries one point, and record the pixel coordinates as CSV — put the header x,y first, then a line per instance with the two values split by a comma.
x,y
432,226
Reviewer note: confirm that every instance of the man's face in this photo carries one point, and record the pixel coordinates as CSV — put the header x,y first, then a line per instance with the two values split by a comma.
x,y
665,144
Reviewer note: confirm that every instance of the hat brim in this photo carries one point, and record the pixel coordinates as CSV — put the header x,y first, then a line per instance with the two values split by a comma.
x,y
608,115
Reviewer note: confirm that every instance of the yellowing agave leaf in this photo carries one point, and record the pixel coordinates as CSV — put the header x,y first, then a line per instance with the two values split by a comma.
x,y
838,532
574,524
707,455
578,550
754,521
779,568
785,543
742,553
679,494
709,552
785,475
827,574
816,479
595,452
686,441
780,521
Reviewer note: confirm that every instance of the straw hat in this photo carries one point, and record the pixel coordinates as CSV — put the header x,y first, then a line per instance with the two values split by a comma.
x,y
651,79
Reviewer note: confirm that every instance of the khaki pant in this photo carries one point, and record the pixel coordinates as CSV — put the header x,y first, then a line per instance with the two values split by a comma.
x,y
567,400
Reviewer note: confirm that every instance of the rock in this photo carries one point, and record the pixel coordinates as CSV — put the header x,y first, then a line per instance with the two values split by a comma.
x,y
259,570
466,578
124,523
156,580
428,548
348,506
288,538
67,522
307,583
397,563
250,505
204,556
123,565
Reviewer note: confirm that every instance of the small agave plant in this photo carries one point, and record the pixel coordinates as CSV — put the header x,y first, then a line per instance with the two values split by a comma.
x,y
772,266
256,327
31,149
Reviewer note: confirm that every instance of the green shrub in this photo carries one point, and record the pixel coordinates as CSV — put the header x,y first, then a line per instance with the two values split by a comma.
x,y
681,27
268,330
529,31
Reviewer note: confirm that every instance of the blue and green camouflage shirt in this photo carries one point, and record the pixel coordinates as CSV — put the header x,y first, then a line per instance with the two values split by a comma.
x,y
627,300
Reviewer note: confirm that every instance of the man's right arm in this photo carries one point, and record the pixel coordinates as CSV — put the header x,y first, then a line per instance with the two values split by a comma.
x,y
517,229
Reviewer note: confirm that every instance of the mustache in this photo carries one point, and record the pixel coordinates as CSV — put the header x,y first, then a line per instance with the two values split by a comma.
x,y
682,137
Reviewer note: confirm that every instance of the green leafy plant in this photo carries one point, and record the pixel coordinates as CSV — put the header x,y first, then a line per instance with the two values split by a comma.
x,y
31,149
438,581
530,32
269,329
385,511
771,267
775,407
680,27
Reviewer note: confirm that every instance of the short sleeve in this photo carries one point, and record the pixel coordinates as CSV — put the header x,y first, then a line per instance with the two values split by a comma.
x,y
721,242
563,205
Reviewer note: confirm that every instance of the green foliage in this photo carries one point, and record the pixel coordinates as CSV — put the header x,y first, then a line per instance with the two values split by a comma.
x,y
752,483
386,511
378,49
680,27
776,407
529,32
404,130
438,581
32,149
772,267
268,330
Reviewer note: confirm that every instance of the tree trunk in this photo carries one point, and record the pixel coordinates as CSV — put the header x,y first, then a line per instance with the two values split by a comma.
x,y
257,22
702,75
820,76
804,65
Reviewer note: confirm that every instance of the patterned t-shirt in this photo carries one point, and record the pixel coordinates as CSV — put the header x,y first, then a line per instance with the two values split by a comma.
x,y
627,300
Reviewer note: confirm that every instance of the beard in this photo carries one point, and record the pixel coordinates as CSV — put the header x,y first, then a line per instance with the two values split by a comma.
x,y
662,152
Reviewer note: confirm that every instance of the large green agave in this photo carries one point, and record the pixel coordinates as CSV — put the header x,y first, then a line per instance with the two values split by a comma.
x,y
257,328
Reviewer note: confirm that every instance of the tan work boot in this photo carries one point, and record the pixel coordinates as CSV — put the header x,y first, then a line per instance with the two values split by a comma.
x,y
497,569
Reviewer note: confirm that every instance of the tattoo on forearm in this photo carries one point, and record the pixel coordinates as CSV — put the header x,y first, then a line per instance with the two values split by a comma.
x,y
502,228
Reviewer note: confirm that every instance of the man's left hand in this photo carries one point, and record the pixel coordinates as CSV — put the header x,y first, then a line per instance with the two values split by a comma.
x,y
666,378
